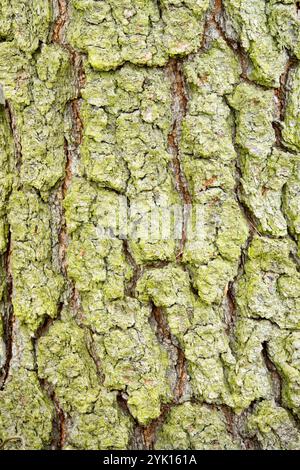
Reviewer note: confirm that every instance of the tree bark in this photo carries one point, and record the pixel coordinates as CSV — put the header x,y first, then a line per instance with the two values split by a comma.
x,y
150,223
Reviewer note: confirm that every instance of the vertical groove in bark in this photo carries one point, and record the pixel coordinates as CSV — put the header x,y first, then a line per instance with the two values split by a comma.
x,y
72,146
216,21
6,260
62,9
59,440
276,379
179,108
281,102
16,138
131,286
165,336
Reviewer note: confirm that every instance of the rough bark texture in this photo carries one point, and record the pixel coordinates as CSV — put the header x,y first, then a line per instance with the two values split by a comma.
x,y
167,343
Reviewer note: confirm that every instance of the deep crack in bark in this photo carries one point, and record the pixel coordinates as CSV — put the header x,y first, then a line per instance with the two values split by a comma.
x,y
179,108
8,314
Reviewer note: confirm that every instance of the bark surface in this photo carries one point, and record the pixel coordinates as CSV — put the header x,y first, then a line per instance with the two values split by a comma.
x,y
136,342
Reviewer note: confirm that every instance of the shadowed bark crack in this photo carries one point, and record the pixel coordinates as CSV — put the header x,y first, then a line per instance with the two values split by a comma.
x,y
131,286
72,144
6,261
166,338
58,425
60,22
281,101
59,438
71,147
16,138
276,378
8,315
179,108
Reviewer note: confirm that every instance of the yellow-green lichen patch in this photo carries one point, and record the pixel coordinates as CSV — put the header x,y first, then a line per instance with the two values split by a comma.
x,y
132,360
249,378
217,227
198,328
291,200
127,118
247,22
209,356
269,288
27,22
284,24
270,192
65,362
6,169
37,286
213,253
284,350
206,130
266,171
141,32
195,427
255,110
26,413
215,70
38,90
96,260
291,125
41,124
274,427
97,264
106,428
15,73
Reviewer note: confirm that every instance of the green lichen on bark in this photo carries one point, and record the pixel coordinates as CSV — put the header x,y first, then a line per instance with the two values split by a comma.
x,y
27,413
270,286
113,114
247,21
6,176
132,360
141,32
125,147
37,286
64,361
39,90
43,153
197,326
27,22
284,24
291,123
274,427
193,426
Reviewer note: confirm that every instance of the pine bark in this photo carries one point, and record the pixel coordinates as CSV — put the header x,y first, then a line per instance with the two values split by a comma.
x,y
115,115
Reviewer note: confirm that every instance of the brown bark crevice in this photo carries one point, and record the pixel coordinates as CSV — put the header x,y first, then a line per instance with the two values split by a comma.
x,y
8,316
179,109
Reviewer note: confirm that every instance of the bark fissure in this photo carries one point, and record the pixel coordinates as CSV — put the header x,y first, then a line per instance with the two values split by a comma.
x,y
281,102
8,315
276,378
179,107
